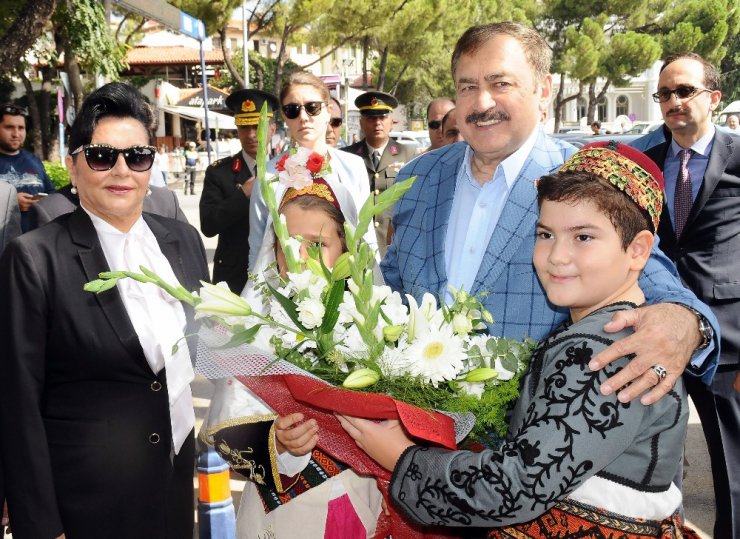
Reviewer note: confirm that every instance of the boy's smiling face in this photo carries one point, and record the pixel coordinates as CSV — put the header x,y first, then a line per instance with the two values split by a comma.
x,y
580,261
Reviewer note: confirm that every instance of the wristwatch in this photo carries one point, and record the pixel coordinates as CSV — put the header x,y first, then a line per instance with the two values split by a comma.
x,y
705,328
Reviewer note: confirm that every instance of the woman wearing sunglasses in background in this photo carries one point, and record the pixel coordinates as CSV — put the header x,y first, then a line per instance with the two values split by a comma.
x,y
304,100
96,414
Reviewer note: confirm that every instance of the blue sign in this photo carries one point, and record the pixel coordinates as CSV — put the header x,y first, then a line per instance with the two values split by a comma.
x,y
192,27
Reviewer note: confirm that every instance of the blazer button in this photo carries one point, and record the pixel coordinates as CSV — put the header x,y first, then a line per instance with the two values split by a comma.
x,y
377,192
377,224
156,386
154,438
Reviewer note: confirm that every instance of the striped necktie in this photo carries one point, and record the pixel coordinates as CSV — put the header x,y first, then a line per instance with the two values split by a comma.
x,y
682,200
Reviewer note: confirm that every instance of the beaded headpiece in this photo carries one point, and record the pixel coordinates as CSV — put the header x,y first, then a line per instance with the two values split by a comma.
x,y
627,169
319,188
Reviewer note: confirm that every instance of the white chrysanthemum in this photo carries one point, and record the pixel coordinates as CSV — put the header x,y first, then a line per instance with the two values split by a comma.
x,y
348,310
436,356
351,343
300,281
474,389
310,312
394,360
396,310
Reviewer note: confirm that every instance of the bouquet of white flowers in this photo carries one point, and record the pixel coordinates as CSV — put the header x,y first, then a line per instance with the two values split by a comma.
x,y
337,325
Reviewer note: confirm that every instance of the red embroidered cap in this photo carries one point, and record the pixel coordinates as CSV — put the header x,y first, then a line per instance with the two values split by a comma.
x,y
627,169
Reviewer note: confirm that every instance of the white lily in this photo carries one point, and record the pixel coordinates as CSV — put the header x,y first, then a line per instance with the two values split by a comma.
x,y
217,299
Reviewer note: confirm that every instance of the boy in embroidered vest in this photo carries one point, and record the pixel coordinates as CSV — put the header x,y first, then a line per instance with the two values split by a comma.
x,y
573,459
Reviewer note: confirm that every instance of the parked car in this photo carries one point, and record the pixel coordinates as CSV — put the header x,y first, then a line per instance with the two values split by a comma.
x,y
417,139
579,140
643,128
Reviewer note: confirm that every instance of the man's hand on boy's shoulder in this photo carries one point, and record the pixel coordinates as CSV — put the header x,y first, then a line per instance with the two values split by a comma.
x,y
666,334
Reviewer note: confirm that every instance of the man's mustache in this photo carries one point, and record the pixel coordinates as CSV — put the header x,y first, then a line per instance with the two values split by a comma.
x,y
675,110
487,116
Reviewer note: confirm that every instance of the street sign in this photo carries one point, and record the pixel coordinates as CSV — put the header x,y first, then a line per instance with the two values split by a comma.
x,y
168,15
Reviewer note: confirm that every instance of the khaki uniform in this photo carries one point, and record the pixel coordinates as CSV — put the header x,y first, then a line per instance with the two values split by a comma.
x,y
393,158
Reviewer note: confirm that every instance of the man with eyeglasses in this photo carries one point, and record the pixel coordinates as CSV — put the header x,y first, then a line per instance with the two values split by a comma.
x,y
436,111
19,167
334,128
227,188
700,232
383,155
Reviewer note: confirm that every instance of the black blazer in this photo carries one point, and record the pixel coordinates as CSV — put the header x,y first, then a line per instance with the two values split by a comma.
x,y
224,210
79,404
707,253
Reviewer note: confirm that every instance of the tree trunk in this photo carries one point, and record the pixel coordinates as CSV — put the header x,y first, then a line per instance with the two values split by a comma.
x,y
561,101
227,58
23,33
46,125
365,52
33,110
282,57
591,103
259,75
382,68
71,67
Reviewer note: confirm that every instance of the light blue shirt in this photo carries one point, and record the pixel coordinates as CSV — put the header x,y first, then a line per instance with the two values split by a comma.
x,y
475,212
697,167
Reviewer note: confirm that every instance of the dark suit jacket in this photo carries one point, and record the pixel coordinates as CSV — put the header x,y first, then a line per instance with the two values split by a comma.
x,y
707,253
78,401
224,210
162,201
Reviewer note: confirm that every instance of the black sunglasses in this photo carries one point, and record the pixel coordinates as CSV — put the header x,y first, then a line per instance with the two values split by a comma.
x,y
101,157
14,110
292,110
682,92
335,122
435,124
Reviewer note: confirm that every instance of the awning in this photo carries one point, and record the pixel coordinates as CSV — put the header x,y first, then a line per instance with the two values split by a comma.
x,y
215,119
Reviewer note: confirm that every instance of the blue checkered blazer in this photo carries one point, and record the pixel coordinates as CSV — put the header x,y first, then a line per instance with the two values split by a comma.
x,y
415,261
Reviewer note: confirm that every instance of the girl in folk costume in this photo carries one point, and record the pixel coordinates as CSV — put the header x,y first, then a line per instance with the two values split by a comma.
x,y
296,489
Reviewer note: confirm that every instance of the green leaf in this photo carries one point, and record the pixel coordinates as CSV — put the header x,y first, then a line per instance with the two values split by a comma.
x,y
289,306
332,300
245,336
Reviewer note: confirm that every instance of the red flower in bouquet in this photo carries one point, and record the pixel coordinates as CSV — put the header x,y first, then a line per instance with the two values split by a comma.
x,y
314,163
280,165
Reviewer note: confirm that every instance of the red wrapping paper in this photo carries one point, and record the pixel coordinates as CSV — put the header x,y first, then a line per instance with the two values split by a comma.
x,y
291,393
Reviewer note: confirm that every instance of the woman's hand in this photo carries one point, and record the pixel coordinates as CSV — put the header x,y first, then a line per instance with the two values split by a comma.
x,y
295,437
384,442
665,334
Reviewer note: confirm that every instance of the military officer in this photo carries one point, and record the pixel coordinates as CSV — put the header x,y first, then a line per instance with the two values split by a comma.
x,y
224,204
383,155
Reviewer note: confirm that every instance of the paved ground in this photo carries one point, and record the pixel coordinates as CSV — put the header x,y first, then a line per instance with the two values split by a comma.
x,y
698,493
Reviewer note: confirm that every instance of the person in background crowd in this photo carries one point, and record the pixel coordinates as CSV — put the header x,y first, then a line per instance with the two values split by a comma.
x,y
334,129
163,162
733,124
449,128
700,233
436,111
383,155
18,167
304,100
227,190
191,167
596,127
96,413
468,221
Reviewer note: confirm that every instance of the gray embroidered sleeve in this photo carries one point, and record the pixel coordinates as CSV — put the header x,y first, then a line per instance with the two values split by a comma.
x,y
563,431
